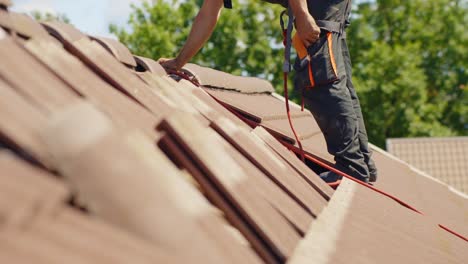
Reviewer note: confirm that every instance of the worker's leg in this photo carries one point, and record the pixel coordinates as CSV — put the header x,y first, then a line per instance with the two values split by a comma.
x,y
332,106
363,141
333,110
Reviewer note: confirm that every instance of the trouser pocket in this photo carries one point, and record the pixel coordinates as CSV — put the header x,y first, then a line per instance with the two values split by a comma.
x,y
319,67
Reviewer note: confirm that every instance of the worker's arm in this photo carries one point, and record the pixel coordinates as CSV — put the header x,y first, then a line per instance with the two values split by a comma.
x,y
202,28
306,27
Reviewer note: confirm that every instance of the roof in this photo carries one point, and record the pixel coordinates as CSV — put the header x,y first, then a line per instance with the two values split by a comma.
x,y
443,158
221,80
105,152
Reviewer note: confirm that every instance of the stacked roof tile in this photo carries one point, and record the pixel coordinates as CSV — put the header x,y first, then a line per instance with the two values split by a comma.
x,y
107,158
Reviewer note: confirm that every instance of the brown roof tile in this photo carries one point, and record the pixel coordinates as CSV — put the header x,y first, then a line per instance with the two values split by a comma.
x,y
427,195
258,107
234,181
63,31
118,75
270,112
272,165
118,50
298,214
74,239
21,122
207,99
157,200
217,79
124,111
278,198
27,193
31,179
387,233
165,87
37,248
217,197
305,127
111,237
22,24
42,88
310,176
5,20
150,65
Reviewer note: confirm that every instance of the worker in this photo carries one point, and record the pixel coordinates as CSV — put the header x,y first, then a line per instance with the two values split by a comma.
x,y
323,77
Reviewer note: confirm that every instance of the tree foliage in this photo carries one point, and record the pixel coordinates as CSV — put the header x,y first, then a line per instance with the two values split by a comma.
x,y
411,67
410,57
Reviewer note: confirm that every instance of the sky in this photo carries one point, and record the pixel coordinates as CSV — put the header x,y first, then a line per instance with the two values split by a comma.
x,y
90,16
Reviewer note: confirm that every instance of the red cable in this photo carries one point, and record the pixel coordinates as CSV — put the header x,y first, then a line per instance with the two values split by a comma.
x,y
285,83
453,233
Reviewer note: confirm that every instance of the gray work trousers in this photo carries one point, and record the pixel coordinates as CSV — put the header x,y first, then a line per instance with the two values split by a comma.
x,y
324,79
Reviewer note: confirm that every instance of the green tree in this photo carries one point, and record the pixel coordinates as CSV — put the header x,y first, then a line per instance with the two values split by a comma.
x,y
411,67
41,16
246,41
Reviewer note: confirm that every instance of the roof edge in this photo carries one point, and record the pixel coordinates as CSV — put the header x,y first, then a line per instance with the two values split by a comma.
x,y
418,171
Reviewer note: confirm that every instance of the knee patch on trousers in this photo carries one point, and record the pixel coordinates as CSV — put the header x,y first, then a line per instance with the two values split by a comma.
x,y
341,133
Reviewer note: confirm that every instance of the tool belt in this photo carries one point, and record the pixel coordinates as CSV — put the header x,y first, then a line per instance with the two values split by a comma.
x,y
317,63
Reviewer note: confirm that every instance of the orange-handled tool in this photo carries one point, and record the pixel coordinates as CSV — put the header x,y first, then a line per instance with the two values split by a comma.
x,y
299,46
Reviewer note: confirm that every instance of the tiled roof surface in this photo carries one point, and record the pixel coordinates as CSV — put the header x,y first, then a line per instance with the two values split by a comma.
x,y
106,158
217,79
443,158
362,226
117,49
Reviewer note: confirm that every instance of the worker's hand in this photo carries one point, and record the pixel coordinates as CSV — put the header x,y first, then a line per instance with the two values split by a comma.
x,y
170,64
307,29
